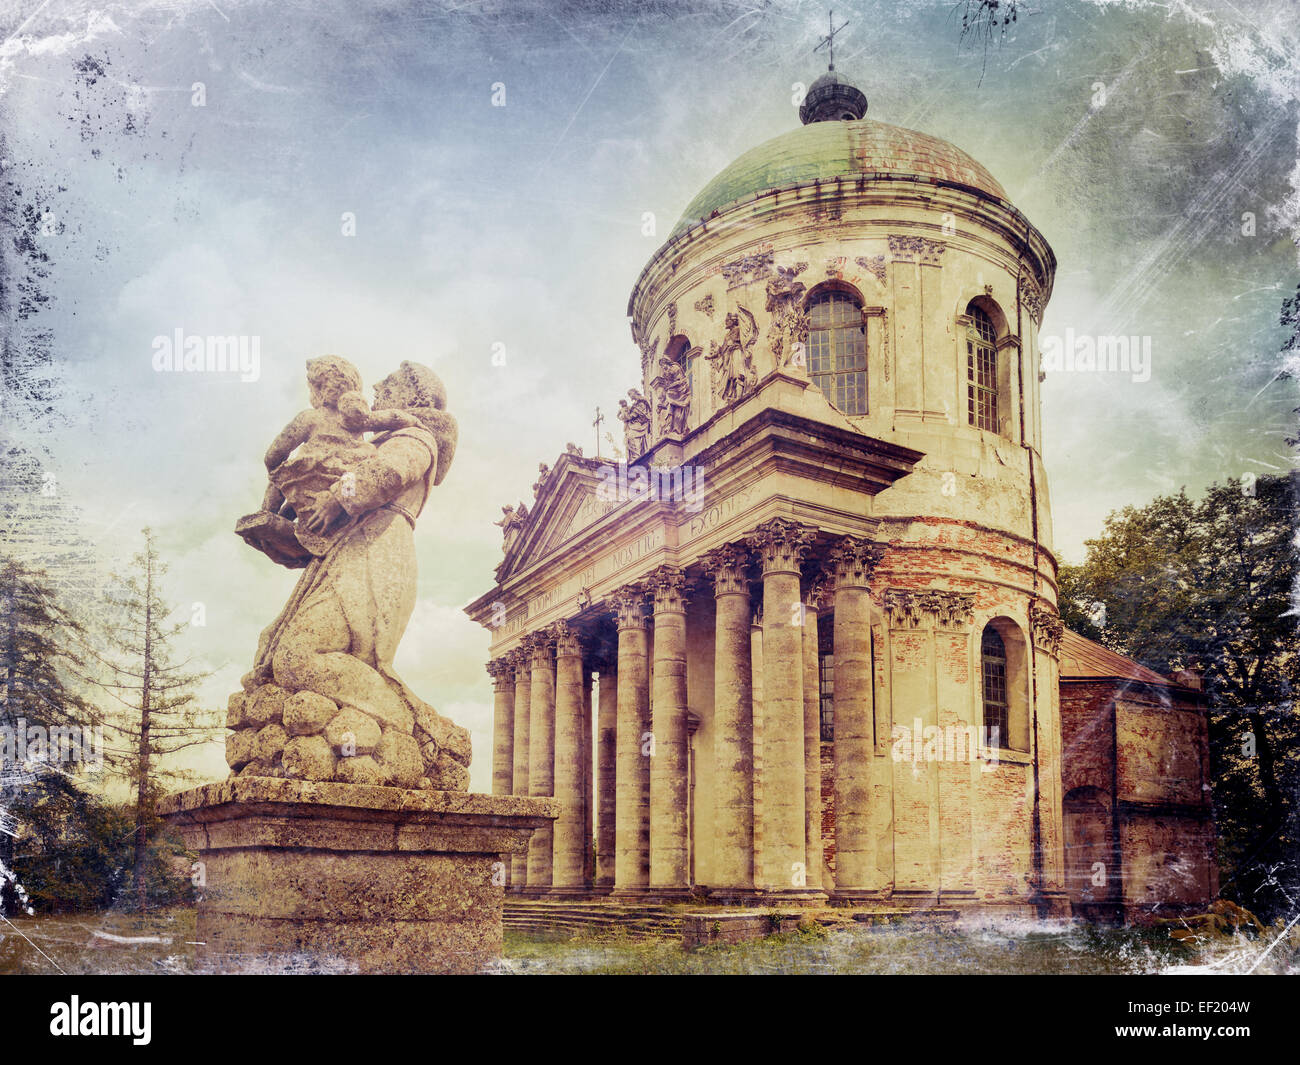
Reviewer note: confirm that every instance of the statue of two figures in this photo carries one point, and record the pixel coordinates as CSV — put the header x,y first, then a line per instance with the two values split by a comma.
x,y
322,701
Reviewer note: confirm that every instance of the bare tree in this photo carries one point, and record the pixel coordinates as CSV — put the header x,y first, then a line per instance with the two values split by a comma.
x,y
157,715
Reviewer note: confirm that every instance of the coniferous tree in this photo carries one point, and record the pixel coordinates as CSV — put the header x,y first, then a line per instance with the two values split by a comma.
x,y
157,715
47,726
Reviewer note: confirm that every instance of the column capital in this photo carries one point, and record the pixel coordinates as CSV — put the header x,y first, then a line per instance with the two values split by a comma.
x,y
909,607
668,583
852,560
567,640
502,672
819,590
728,566
538,646
1047,629
629,606
780,544
518,658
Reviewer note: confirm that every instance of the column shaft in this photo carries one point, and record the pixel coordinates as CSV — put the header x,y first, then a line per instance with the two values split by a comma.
x,y
503,725
733,725
669,816
569,770
541,763
606,747
855,857
783,868
812,746
631,843
523,687
588,782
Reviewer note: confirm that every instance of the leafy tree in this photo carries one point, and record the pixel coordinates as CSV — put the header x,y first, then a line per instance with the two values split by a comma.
x,y
1214,586
157,716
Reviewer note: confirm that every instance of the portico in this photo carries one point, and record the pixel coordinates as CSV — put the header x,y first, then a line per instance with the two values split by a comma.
x,y
657,598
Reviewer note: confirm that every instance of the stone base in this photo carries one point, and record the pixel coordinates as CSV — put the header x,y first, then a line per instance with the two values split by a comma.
x,y
721,926
302,875
789,897
1054,905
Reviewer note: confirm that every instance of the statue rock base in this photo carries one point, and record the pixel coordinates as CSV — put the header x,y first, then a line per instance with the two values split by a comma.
x,y
311,876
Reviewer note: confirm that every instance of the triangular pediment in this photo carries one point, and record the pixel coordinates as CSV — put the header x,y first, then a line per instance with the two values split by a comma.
x,y
569,502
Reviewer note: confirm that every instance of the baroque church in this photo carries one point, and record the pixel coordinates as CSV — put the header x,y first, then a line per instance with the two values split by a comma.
x,y
800,644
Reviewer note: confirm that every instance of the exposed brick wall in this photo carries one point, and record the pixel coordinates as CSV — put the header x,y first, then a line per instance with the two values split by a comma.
x,y
1161,814
828,803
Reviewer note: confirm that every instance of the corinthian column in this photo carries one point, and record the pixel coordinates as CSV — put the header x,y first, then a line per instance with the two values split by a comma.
x,y
570,827
669,844
780,545
541,763
812,733
733,725
503,725
632,795
855,856
521,661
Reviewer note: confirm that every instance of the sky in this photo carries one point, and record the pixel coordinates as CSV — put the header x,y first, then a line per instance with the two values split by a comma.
x,y
465,185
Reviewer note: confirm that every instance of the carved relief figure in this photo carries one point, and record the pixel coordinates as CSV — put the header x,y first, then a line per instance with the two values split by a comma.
x,y
733,360
672,393
636,423
788,331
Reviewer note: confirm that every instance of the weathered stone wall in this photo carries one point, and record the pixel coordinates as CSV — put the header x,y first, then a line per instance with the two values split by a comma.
x,y
1150,797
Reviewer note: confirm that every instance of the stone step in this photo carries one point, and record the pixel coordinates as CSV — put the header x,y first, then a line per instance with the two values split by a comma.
x,y
544,917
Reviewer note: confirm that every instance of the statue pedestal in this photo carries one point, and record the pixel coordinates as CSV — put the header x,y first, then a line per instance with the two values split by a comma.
x,y
301,875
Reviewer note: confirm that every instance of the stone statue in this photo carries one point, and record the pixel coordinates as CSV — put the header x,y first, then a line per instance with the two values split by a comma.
x,y
322,701
636,423
788,332
543,471
328,437
733,360
672,393
511,524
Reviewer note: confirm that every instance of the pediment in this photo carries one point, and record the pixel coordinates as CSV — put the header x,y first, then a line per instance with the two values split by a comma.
x,y
568,503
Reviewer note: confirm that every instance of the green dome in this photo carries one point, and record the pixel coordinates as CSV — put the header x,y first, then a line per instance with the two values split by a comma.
x,y
824,151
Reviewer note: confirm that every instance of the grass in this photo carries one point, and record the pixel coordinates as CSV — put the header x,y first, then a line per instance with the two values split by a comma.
x,y
70,944
993,948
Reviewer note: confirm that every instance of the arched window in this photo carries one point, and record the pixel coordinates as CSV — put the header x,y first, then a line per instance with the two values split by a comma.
x,y
997,717
837,349
981,370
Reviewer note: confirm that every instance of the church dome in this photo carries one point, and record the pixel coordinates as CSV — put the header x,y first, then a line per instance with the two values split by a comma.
x,y
824,151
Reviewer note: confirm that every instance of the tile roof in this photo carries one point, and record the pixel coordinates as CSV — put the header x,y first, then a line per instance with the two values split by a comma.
x,y
1083,659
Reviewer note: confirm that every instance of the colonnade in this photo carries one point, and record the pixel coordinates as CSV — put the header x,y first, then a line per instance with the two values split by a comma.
x,y
768,589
